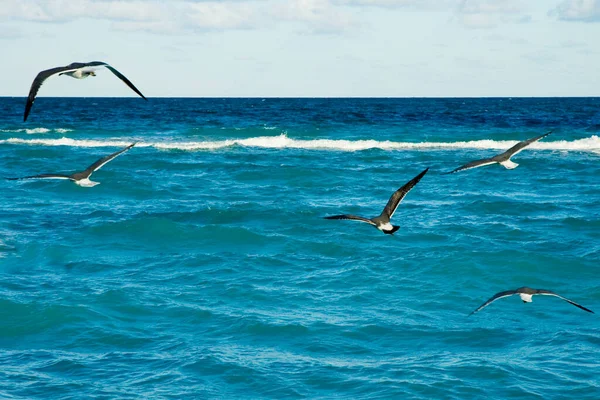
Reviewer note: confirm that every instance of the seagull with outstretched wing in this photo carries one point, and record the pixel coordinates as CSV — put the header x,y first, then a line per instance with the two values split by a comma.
x,y
503,158
80,178
382,222
75,70
526,293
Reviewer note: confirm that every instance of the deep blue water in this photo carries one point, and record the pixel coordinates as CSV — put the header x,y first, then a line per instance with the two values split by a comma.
x,y
201,266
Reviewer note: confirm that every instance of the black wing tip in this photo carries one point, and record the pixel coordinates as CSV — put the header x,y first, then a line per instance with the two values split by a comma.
x,y
27,110
544,135
582,307
129,146
422,174
124,79
342,216
455,170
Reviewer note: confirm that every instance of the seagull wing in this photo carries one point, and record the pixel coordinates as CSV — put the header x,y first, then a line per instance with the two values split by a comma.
x,y
42,176
473,164
396,198
521,145
550,293
98,164
494,298
93,64
123,78
352,217
39,80
117,73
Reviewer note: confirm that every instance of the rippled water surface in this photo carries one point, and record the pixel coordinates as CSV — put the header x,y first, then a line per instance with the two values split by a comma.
x,y
201,266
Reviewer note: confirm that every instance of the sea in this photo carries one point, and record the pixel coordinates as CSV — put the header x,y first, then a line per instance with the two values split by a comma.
x,y
202,266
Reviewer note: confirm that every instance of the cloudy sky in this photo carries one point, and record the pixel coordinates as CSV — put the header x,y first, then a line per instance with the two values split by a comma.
x,y
321,48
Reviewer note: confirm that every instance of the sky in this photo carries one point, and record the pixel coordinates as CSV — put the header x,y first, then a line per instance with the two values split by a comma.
x,y
305,48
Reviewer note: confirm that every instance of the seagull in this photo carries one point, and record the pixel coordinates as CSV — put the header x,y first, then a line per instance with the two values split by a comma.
x,y
526,293
382,222
80,178
75,70
503,158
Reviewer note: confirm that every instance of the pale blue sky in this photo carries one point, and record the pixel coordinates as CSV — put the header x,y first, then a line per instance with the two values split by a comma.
x,y
264,48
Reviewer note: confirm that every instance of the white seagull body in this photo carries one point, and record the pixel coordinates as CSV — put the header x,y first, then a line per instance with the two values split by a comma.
x,y
79,73
382,222
75,70
81,178
503,158
526,294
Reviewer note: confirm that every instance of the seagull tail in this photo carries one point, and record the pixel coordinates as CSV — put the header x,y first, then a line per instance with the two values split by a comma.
x,y
391,231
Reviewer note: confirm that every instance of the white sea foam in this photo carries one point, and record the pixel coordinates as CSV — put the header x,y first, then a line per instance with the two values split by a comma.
x,y
591,144
32,131
37,130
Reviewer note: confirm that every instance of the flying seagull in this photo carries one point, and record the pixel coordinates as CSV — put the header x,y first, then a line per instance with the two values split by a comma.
x,y
526,293
382,222
503,158
81,178
75,70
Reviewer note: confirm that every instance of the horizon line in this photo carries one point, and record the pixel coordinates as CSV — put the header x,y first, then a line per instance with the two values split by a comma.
x,y
310,97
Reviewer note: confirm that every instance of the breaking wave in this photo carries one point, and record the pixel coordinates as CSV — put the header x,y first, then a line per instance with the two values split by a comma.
x,y
591,144
32,131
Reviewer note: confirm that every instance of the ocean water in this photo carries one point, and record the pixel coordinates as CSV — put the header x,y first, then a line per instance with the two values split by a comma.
x,y
201,266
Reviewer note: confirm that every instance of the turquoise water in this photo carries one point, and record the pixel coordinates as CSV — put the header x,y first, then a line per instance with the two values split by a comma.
x,y
201,266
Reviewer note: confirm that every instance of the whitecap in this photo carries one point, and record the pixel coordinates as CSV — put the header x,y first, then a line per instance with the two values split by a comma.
x,y
591,144
32,131
37,130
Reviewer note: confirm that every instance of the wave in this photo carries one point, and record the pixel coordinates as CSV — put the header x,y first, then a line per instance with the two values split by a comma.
x,y
235,128
591,144
36,130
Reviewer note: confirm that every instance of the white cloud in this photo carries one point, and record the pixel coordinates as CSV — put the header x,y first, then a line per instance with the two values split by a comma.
x,y
222,15
410,4
578,10
316,16
491,7
179,16
63,11
151,15
484,14
321,16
